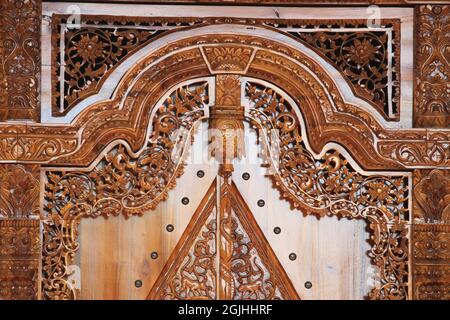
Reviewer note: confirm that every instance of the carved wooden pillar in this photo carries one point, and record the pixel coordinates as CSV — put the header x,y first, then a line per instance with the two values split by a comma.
x,y
432,70
19,231
431,235
20,59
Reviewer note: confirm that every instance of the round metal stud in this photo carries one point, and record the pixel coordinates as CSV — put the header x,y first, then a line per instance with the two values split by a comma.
x,y
292,256
138,283
200,173
154,255
261,203
246,176
277,230
185,200
169,228
308,285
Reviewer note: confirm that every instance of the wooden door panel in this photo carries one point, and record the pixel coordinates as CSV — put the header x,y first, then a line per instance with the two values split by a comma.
x,y
115,252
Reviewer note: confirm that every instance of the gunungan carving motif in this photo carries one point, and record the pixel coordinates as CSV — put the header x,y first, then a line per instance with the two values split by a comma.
x,y
249,268
432,196
190,273
432,94
330,186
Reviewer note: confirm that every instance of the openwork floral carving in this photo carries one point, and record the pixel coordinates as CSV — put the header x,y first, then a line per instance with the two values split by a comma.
x,y
364,58
347,50
330,186
120,183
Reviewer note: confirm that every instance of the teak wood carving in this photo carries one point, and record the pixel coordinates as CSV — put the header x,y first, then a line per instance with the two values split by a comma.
x,y
119,155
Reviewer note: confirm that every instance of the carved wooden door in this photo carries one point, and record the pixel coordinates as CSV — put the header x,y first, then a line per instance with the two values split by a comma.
x,y
185,152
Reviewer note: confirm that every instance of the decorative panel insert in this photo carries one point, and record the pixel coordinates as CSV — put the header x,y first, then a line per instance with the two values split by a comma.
x,y
369,58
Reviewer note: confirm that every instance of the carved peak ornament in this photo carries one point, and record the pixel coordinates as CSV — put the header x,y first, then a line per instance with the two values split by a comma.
x,y
226,59
249,269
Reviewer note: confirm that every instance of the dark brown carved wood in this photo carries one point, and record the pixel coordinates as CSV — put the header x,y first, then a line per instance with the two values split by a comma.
x,y
432,94
20,62
123,182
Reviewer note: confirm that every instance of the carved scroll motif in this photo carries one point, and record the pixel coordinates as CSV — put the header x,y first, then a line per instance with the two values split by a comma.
x,y
330,186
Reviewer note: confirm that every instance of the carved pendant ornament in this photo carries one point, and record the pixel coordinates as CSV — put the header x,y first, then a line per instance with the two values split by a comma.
x,y
326,154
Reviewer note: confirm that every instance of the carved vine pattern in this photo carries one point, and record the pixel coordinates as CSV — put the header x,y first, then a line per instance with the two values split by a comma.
x,y
364,58
120,183
330,186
